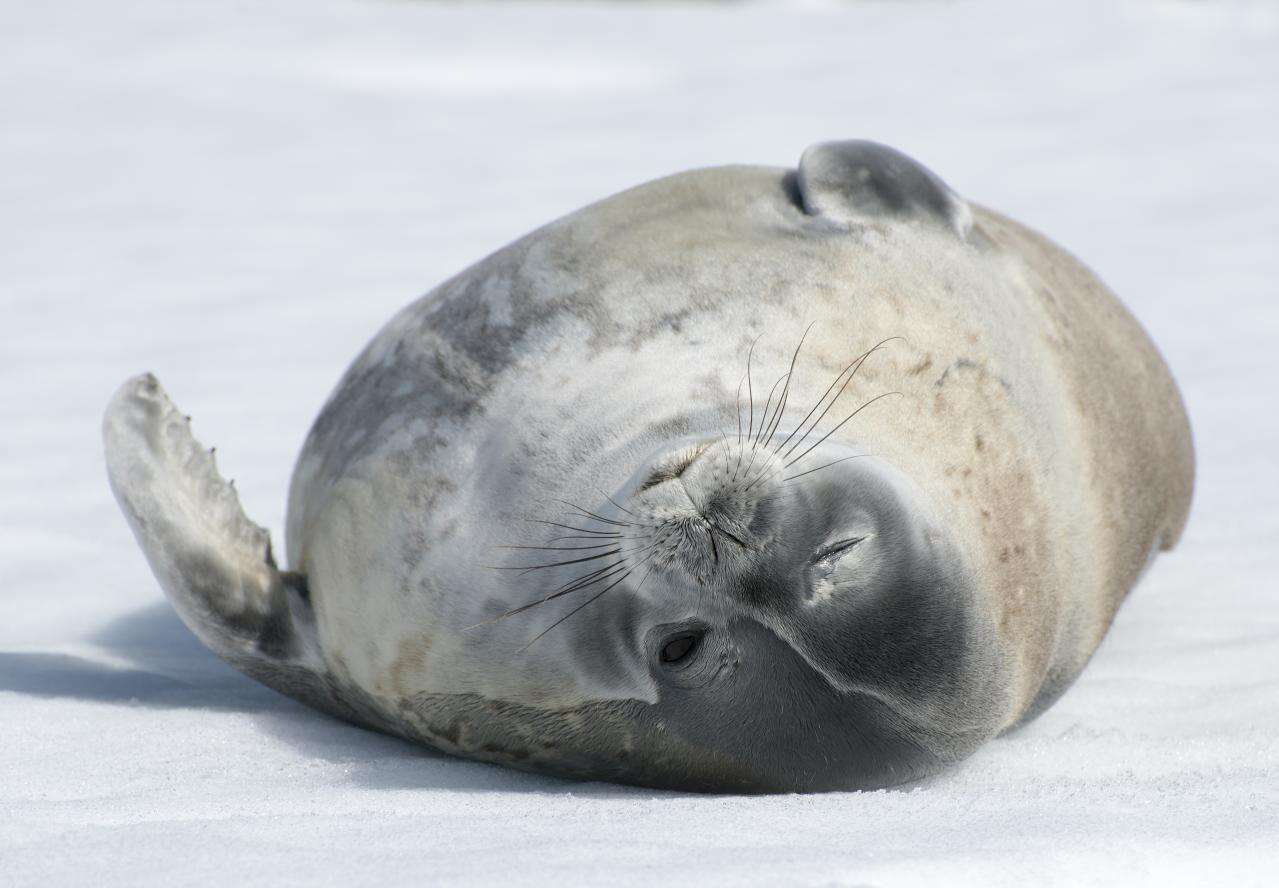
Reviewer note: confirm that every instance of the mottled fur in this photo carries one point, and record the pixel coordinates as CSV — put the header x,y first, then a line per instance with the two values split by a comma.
x,y
1037,457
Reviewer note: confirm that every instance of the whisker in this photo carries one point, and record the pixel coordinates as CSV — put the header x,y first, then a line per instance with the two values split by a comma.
x,y
819,468
784,399
582,582
749,480
620,506
755,441
765,472
528,567
822,399
838,427
571,536
571,585
560,548
740,382
855,365
750,401
589,530
767,403
589,514
750,388
747,470
591,578
587,603
587,579
851,371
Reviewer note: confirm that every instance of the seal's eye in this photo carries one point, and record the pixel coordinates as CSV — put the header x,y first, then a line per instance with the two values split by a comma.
x,y
836,549
680,647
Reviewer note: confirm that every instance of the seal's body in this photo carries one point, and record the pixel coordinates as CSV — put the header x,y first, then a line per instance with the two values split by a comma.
x,y
740,480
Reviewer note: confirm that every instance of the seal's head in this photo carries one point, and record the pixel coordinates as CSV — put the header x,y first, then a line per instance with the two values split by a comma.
x,y
804,623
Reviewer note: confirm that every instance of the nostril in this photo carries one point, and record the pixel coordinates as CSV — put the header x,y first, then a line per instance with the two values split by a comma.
x,y
658,476
671,470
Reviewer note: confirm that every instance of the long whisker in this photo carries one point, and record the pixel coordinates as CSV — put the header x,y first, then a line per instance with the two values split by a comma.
x,y
590,530
617,551
790,376
842,381
560,548
750,400
740,382
838,427
765,471
749,464
574,536
582,582
589,514
620,506
750,387
587,579
833,401
763,419
528,567
819,468
754,439
855,365
587,603
595,576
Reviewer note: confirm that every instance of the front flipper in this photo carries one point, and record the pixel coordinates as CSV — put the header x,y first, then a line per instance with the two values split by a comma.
x,y
214,563
859,182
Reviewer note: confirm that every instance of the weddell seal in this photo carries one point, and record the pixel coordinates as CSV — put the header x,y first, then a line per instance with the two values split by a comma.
x,y
745,479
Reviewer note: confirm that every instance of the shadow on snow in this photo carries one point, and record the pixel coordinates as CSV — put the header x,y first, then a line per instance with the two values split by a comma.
x,y
170,669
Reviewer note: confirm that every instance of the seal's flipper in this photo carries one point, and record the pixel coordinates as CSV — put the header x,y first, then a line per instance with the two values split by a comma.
x,y
859,182
213,562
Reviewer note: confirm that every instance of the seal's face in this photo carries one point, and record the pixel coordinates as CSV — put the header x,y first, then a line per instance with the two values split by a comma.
x,y
798,614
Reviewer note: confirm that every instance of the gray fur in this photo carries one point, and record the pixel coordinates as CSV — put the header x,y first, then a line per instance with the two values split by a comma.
x,y
860,182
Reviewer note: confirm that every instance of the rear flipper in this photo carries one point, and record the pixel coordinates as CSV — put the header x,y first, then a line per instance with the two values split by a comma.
x,y
213,562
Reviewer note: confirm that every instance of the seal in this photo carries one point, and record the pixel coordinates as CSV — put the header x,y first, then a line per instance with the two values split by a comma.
x,y
746,479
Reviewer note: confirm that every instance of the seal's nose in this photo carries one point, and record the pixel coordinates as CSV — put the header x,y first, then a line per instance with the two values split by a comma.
x,y
704,505
728,481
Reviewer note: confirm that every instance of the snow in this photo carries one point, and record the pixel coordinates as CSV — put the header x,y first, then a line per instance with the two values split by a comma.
x,y
237,195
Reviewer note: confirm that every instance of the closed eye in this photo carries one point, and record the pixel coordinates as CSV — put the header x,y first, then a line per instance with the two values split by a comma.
x,y
836,549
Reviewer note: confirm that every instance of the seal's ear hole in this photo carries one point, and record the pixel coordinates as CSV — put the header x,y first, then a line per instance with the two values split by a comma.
x,y
678,648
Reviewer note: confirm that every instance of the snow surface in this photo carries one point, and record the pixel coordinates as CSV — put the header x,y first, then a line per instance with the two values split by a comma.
x,y
237,195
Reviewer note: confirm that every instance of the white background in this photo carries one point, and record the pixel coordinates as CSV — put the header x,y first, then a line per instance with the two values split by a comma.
x,y
237,195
